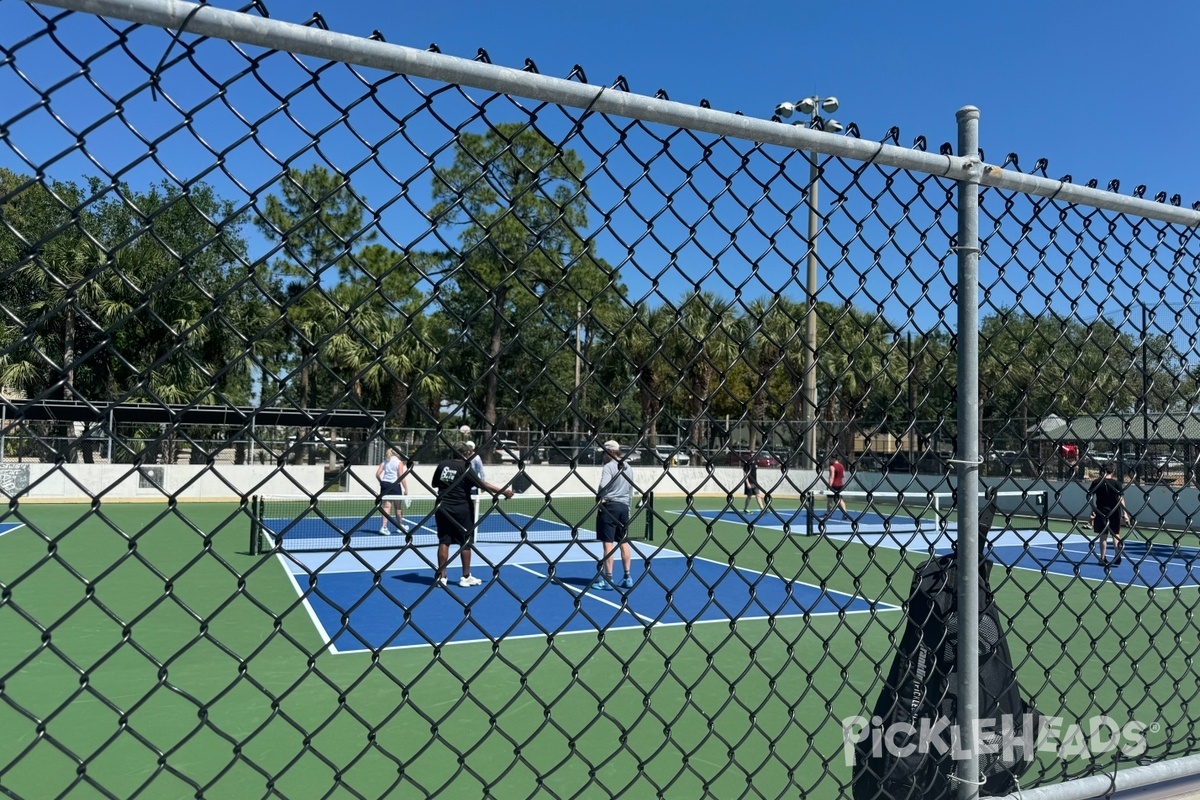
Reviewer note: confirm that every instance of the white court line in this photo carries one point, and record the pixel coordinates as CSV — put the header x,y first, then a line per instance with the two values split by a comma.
x,y
1075,547
312,615
16,526
1075,575
419,557
315,562
587,593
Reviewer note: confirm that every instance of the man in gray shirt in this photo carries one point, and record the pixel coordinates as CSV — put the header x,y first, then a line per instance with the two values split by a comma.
x,y
612,525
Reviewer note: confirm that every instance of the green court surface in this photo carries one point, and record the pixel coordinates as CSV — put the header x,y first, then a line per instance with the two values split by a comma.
x,y
147,651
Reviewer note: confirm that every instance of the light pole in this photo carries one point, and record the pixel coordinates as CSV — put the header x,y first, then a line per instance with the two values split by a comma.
x,y
578,363
810,107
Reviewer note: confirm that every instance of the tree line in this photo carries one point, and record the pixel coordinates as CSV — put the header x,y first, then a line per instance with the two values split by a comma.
x,y
112,293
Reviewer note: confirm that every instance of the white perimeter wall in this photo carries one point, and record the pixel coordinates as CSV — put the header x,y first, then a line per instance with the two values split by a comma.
x,y
585,479
127,482
80,482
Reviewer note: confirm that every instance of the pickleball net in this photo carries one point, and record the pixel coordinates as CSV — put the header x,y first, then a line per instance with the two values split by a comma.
x,y
928,512
331,521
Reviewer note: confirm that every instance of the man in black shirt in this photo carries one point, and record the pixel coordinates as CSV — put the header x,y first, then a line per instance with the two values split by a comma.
x,y
454,510
1108,511
750,483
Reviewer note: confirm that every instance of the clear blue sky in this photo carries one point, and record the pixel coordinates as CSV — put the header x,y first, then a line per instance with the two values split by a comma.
x,y
1102,89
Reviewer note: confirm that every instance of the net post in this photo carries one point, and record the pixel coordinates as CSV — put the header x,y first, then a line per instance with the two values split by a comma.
x,y
648,510
257,506
253,549
808,504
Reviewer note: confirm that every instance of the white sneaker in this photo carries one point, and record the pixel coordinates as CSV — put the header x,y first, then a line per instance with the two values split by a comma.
x,y
384,532
469,580
440,583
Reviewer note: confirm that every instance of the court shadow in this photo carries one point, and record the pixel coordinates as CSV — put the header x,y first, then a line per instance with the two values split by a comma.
x,y
1163,553
422,578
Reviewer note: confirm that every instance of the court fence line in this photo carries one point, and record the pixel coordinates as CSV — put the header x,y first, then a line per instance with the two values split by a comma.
x,y
220,218
277,35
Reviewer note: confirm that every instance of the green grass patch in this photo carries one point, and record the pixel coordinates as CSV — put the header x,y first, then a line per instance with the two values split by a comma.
x,y
147,651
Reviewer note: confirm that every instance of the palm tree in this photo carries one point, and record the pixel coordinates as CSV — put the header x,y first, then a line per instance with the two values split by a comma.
x,y
382,352
67,282
773,352
642,342
705,344
64,281
854,365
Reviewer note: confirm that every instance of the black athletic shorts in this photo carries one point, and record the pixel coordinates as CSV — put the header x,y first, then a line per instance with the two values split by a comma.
x,y
454,526
1107,523
612,523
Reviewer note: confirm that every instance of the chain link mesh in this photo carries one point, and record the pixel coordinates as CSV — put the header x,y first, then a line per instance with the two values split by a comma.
x,y
227,270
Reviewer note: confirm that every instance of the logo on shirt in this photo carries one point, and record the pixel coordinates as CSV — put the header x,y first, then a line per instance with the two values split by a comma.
x,y
448,475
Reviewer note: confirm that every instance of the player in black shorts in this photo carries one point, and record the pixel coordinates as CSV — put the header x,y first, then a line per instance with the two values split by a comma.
x,y
750,484
454,511
1108,512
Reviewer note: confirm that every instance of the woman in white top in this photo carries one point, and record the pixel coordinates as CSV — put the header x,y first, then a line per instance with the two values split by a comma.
x,y
392,482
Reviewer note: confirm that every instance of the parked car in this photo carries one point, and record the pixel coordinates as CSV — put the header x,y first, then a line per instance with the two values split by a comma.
x,y
508,451
1154,467
881,462
668,454
584,451
929,463
567,451
762,459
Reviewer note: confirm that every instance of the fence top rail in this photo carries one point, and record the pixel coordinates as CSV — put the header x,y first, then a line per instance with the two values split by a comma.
x,y
234,26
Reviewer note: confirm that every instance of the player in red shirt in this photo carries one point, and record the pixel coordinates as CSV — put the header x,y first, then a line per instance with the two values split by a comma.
x,y
837,481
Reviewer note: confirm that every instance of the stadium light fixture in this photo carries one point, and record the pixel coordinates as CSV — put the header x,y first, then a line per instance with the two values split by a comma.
x,y
810,107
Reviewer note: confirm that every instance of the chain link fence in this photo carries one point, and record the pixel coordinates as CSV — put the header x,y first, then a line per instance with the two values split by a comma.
x,y
241,260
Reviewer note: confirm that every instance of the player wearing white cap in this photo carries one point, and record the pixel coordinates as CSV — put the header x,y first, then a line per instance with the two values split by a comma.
x,y
612,525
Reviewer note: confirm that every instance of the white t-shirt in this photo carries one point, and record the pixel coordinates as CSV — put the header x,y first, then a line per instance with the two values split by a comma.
x,y
391,470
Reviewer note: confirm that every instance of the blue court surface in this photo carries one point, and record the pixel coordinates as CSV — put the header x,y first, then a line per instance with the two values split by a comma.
x,y
323,532
317,530
523,519
1145,563
897,531
374,600
795,520
8,527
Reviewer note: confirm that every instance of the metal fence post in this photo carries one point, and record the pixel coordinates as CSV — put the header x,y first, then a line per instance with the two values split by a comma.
x,y
968,454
